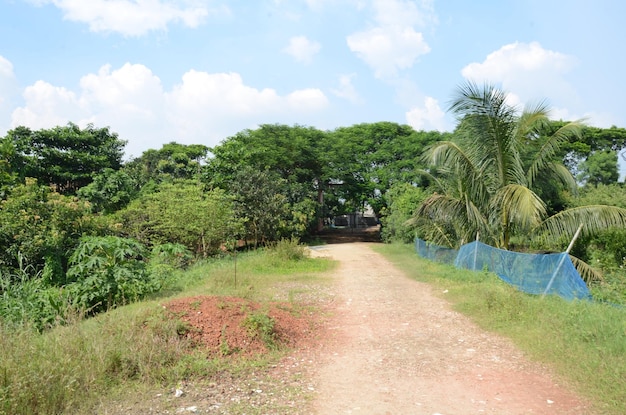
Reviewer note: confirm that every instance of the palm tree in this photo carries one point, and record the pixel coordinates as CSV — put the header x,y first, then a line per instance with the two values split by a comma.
x,y
487,177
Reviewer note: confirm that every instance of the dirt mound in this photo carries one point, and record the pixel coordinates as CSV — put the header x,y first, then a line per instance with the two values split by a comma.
x,y
227,326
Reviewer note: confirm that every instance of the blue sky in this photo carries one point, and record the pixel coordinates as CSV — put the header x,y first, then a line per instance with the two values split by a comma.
x,y
199,71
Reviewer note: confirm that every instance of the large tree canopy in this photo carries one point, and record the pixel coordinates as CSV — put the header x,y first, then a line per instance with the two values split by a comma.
x,y
172,161
66,157
295,153
369,158
295,157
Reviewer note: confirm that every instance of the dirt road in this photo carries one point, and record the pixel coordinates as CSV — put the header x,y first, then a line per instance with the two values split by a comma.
x,y
393,347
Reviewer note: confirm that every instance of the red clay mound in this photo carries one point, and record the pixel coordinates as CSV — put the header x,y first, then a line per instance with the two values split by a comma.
x,y
218,324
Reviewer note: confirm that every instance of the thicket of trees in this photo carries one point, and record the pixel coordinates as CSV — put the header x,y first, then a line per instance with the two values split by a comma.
x,y
82,229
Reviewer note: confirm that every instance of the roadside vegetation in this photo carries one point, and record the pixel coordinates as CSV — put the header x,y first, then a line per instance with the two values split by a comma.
x,y
584,341
74,367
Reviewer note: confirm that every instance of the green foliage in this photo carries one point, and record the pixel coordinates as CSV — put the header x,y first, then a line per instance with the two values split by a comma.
x,y
270,206
402,201
107,272
172,162
65,157
592,140
8,176
263,325
75,369
69,369
367,159
40,227
294,153
182,213
277,174
110,191
600,167
27,301
485,185
606,249
288,250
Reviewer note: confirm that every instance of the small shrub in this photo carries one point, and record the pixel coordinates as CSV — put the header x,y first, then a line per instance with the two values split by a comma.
x,y
107,272
288,250
263,325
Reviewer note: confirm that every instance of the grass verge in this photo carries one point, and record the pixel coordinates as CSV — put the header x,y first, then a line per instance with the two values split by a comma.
x,y
585,342
132,350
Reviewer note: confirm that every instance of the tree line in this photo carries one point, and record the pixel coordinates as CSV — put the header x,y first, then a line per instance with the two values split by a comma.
x,y
86,228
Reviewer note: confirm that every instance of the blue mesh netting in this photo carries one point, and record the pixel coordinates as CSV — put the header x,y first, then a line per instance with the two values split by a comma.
x,y
531,273
434,252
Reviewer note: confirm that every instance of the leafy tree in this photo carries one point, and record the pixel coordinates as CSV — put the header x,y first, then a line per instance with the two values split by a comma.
x,y
591,140
296,155
608,247
38,227
369,158
110,191
484,185
173,161
66,157
8,175
600,168
182,213
401,200
268,207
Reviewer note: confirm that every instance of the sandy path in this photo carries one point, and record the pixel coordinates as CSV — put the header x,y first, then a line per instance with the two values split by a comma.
x,y
395,348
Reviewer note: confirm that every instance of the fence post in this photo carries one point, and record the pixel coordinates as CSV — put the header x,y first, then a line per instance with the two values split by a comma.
x,y
565,254
476,251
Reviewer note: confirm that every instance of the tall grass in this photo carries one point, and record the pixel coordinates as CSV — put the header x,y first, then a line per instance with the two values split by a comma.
x,y
68,369
585,342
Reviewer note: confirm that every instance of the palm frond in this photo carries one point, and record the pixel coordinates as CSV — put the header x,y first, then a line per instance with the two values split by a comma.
x,y
563,174
518,205
449,212
587,273
550,147
448,155
594,218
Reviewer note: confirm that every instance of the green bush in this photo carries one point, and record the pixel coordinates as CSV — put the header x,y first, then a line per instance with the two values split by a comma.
x,y
288,250
261,324
403,199
107,272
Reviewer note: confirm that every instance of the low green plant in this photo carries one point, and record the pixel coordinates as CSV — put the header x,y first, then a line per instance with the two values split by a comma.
x,y
263,325
107,272
62,369
288,250
27,301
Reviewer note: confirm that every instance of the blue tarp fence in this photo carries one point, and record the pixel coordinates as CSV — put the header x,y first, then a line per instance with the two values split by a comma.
x,y
532,273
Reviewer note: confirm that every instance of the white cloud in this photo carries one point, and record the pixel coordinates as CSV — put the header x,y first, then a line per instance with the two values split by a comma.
x,y
134,17
346,90
526,69
388,50
429,117
8,84
302,49
393,44
218,105
132,92
404,13
203,108
318,5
